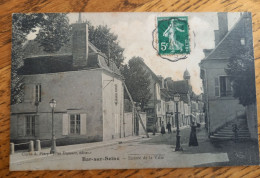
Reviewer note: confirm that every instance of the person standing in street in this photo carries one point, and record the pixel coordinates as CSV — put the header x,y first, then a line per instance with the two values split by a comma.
x,y
193,136
235,130
162,129
169,127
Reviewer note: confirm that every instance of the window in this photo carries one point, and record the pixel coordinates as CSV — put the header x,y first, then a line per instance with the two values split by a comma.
x,y
30,125
74,124
242,41
225,86
38,96
150,111
116,94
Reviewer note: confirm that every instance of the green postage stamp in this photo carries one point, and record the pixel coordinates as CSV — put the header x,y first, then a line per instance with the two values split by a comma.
x,y
173,35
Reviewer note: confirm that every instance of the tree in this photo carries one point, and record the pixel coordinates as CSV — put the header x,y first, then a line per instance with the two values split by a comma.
x,y
242,75
137,81
107,42
54,30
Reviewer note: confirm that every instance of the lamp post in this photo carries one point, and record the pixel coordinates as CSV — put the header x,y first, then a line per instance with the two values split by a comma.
x,y
138,109
53,140
178,147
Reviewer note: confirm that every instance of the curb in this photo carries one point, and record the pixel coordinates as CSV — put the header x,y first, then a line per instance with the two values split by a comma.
x,y
78,149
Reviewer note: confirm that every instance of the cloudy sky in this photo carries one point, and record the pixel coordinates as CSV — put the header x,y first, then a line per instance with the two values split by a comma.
x,y
134,32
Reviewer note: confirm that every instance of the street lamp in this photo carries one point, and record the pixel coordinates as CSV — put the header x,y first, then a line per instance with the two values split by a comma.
x,y
53,140
176,99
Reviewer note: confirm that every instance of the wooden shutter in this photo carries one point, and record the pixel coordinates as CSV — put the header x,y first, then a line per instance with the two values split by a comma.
x,y
83,124
21,126
65,124
37,126
217,86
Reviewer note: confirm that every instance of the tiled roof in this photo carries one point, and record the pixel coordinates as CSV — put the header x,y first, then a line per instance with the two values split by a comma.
x,y
37,61
231,43
181,87
46,64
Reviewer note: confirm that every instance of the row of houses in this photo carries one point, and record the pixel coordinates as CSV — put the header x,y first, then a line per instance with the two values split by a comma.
x,y
161,107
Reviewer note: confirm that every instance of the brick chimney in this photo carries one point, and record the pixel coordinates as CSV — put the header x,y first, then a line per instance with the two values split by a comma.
x,y
222,27
80,44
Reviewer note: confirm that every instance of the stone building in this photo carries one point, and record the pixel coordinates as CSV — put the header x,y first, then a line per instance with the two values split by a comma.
x,y
153,108
221,107
88,89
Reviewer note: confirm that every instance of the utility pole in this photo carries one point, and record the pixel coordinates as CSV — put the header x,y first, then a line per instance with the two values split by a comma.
x,y
155,110
108,49
135,110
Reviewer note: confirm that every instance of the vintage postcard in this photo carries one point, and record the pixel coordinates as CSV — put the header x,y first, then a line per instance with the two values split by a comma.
x,y
132,90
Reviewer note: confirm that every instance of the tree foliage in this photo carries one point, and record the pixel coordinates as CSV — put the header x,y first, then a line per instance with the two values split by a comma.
x,y
107,42
137,81
53,33
242,75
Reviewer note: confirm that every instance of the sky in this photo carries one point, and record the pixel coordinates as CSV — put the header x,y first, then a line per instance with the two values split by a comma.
x,y
134,32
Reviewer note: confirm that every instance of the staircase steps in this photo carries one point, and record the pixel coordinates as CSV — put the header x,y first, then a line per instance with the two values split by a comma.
x,y
226,133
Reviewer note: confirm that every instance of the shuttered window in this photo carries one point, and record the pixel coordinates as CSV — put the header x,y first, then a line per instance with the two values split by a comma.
x,y
225,86
74,124
216,86
38,96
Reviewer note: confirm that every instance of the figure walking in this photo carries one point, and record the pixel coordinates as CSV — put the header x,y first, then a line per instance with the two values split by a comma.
x,y
169,127
193,136
162,129
235,130
170,32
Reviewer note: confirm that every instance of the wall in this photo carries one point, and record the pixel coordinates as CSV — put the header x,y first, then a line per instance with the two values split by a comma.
x,y
74,91
112,111
128,123
220,109
251,113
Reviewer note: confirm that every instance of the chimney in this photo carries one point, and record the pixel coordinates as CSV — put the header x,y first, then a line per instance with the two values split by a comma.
x,y
222,27
79,44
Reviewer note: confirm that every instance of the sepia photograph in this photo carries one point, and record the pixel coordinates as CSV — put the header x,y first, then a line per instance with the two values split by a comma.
x,y
132,91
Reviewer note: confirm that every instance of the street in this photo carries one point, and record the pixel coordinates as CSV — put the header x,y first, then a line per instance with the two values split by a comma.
x,y
154,152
